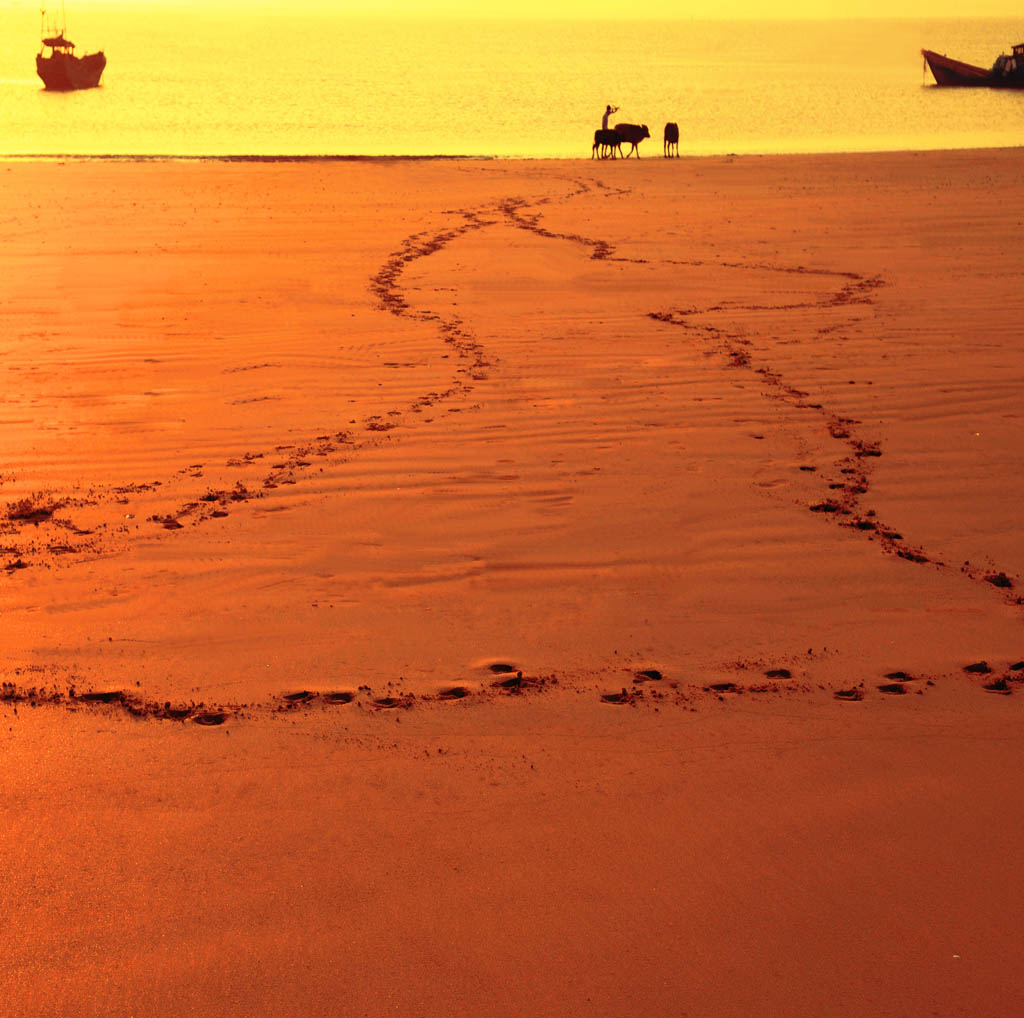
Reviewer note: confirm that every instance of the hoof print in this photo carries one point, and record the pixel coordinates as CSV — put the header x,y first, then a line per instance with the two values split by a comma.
x,y
502,668
621,697
999,686
302,696
856,693
343,696
453,693
899,676
1000,580
779,673
721,687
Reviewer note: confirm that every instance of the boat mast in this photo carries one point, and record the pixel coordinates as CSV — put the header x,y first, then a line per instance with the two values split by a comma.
x,y
51,27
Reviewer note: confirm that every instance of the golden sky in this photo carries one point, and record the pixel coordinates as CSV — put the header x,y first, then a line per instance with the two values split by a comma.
x,y
617,8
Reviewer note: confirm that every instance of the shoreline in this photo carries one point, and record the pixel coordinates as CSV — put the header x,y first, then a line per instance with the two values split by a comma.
x,y
486,158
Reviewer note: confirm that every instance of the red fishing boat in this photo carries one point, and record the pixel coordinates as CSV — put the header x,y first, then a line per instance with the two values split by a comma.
x,y
1006,72
59,68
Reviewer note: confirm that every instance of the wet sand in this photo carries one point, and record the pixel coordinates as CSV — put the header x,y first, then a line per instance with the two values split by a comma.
x,y
512,588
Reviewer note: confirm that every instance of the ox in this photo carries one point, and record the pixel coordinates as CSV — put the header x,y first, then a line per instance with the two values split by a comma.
x,y
672,139
606,143
634,134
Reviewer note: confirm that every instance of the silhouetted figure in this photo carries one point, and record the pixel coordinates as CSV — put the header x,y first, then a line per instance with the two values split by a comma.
x,y
608,111
634,134
672,139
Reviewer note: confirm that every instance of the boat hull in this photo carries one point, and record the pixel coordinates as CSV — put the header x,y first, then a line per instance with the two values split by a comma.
x,y
64,72
949,72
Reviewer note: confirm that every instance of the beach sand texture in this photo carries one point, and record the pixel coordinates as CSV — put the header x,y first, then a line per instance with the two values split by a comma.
x,y
546,551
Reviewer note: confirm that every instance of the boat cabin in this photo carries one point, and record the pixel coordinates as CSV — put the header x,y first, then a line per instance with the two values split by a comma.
x,y
1012,66
58,42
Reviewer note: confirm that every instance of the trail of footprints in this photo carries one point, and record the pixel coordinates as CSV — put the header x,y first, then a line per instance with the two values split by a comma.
x,y
850,481
647,687
53,532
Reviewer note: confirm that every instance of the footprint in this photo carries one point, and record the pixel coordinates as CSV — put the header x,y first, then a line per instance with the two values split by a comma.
x,y
502,668
111,696
721,687
175,713
512,682
622,697
342,696
453,693
302,696
893,687
648,675
999,686
899,676
211,717
779,673
978,668
856,693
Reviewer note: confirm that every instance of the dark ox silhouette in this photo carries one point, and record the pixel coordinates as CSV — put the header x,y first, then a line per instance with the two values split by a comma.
x,y
634,134
606,143
672,139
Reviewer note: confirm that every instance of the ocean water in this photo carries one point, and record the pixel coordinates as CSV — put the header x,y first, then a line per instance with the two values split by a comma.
x,y
300,83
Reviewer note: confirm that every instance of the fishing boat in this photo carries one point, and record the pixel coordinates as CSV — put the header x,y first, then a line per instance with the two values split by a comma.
x,y
59,68
1006,72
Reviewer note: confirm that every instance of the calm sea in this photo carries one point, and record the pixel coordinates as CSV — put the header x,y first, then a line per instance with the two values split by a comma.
x,y
184,83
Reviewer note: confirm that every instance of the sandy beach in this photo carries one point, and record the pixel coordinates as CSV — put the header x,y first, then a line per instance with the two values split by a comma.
x,y
440,587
